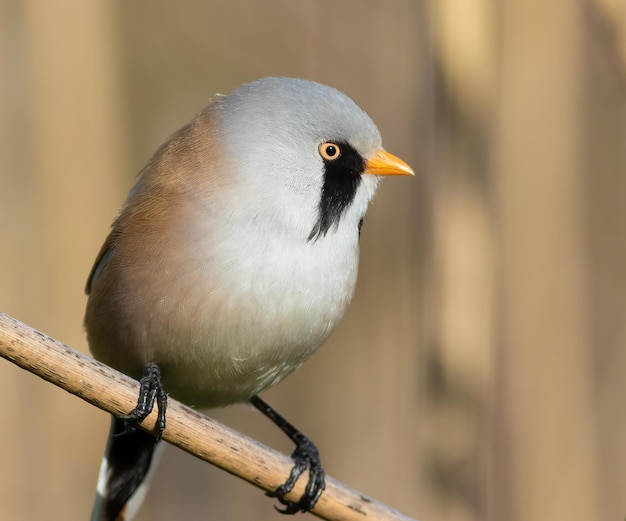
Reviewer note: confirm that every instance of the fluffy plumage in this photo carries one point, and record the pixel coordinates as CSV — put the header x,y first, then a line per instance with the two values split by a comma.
x,y
236,252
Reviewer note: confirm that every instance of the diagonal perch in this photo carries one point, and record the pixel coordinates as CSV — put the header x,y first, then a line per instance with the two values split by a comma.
x,y
186,428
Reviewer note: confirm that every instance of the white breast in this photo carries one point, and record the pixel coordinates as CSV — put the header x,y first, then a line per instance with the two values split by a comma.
x,y
246,305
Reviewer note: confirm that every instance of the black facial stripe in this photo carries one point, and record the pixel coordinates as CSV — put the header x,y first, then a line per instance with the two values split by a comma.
x,y
341,181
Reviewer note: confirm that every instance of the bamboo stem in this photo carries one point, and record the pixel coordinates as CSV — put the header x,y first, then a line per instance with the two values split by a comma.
x,y
186,428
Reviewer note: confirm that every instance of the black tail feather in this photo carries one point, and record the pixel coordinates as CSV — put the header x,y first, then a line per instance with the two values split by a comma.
x,y
125,466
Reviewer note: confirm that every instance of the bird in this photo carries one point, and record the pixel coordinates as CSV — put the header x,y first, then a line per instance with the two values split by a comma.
x,y
233,258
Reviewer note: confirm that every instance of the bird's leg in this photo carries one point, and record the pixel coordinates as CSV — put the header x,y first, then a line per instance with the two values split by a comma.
x,y
305,455
150,391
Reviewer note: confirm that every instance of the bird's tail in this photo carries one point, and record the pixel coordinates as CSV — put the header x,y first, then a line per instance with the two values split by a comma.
x,y
127,467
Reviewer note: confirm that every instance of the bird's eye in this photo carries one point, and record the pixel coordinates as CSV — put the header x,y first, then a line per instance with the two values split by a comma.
x,y
329,151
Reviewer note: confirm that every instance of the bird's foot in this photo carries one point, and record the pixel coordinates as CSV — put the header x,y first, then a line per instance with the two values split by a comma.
x,y
305,455
150,391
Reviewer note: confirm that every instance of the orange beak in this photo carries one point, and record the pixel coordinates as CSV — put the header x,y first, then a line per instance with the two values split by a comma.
x,y
384,163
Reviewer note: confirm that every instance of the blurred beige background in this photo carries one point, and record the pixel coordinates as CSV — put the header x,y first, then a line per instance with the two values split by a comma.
x,y
481,371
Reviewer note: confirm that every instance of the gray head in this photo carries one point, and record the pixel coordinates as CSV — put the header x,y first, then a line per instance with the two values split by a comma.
x,y
274,129
303,112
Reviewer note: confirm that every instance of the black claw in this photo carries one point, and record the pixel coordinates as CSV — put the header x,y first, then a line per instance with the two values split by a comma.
x,y
304,456
150,391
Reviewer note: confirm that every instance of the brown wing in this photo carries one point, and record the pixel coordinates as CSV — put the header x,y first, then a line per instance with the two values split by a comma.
x,y
101,260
